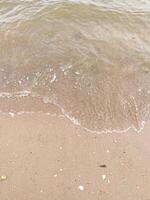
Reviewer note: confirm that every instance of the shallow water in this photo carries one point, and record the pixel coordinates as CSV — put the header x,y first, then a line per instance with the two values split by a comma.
x,y
88,60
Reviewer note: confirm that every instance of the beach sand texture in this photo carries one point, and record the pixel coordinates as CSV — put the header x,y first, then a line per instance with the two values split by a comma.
x,y
44,157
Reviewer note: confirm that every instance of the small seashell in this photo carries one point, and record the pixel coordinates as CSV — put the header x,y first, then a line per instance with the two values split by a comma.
x,y
3,178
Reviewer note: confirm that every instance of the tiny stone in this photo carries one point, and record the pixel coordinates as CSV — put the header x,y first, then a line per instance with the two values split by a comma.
x,y
3,178
103,177
81,187
11,114
103,166
115,141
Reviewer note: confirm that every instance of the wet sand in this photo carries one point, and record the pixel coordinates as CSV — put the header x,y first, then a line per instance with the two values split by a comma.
x,y
46,157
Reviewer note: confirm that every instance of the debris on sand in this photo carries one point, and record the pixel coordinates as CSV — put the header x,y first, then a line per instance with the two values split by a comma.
x,y
3,178
103,166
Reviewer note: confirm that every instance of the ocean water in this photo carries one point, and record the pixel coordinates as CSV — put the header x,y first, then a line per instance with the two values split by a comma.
x,y
88,60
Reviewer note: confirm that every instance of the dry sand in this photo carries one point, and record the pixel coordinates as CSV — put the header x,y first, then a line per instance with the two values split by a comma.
x,y
48,158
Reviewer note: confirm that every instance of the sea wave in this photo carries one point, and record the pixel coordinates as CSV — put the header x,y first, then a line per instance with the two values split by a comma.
x,y
88,60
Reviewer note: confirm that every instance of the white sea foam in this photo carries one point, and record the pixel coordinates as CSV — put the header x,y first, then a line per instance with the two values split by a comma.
x,y
24,93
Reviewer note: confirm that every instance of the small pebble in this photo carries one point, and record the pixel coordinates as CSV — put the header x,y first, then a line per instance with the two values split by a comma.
x,y
3,178
11,114
115,141
103,166
103,177
81,187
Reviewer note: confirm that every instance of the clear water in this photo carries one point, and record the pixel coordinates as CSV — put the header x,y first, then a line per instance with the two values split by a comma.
x,y
88,60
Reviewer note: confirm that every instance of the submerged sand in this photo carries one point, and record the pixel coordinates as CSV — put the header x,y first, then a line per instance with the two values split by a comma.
x,y
44,157
88,58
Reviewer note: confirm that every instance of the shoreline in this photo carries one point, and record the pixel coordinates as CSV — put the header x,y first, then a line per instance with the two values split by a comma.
x,y
74,121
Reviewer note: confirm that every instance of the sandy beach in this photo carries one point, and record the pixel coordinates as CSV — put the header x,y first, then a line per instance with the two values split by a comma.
x,y
74,79
44,157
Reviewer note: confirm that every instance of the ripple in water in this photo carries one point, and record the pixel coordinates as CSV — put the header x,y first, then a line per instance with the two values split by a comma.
x,y
87,60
